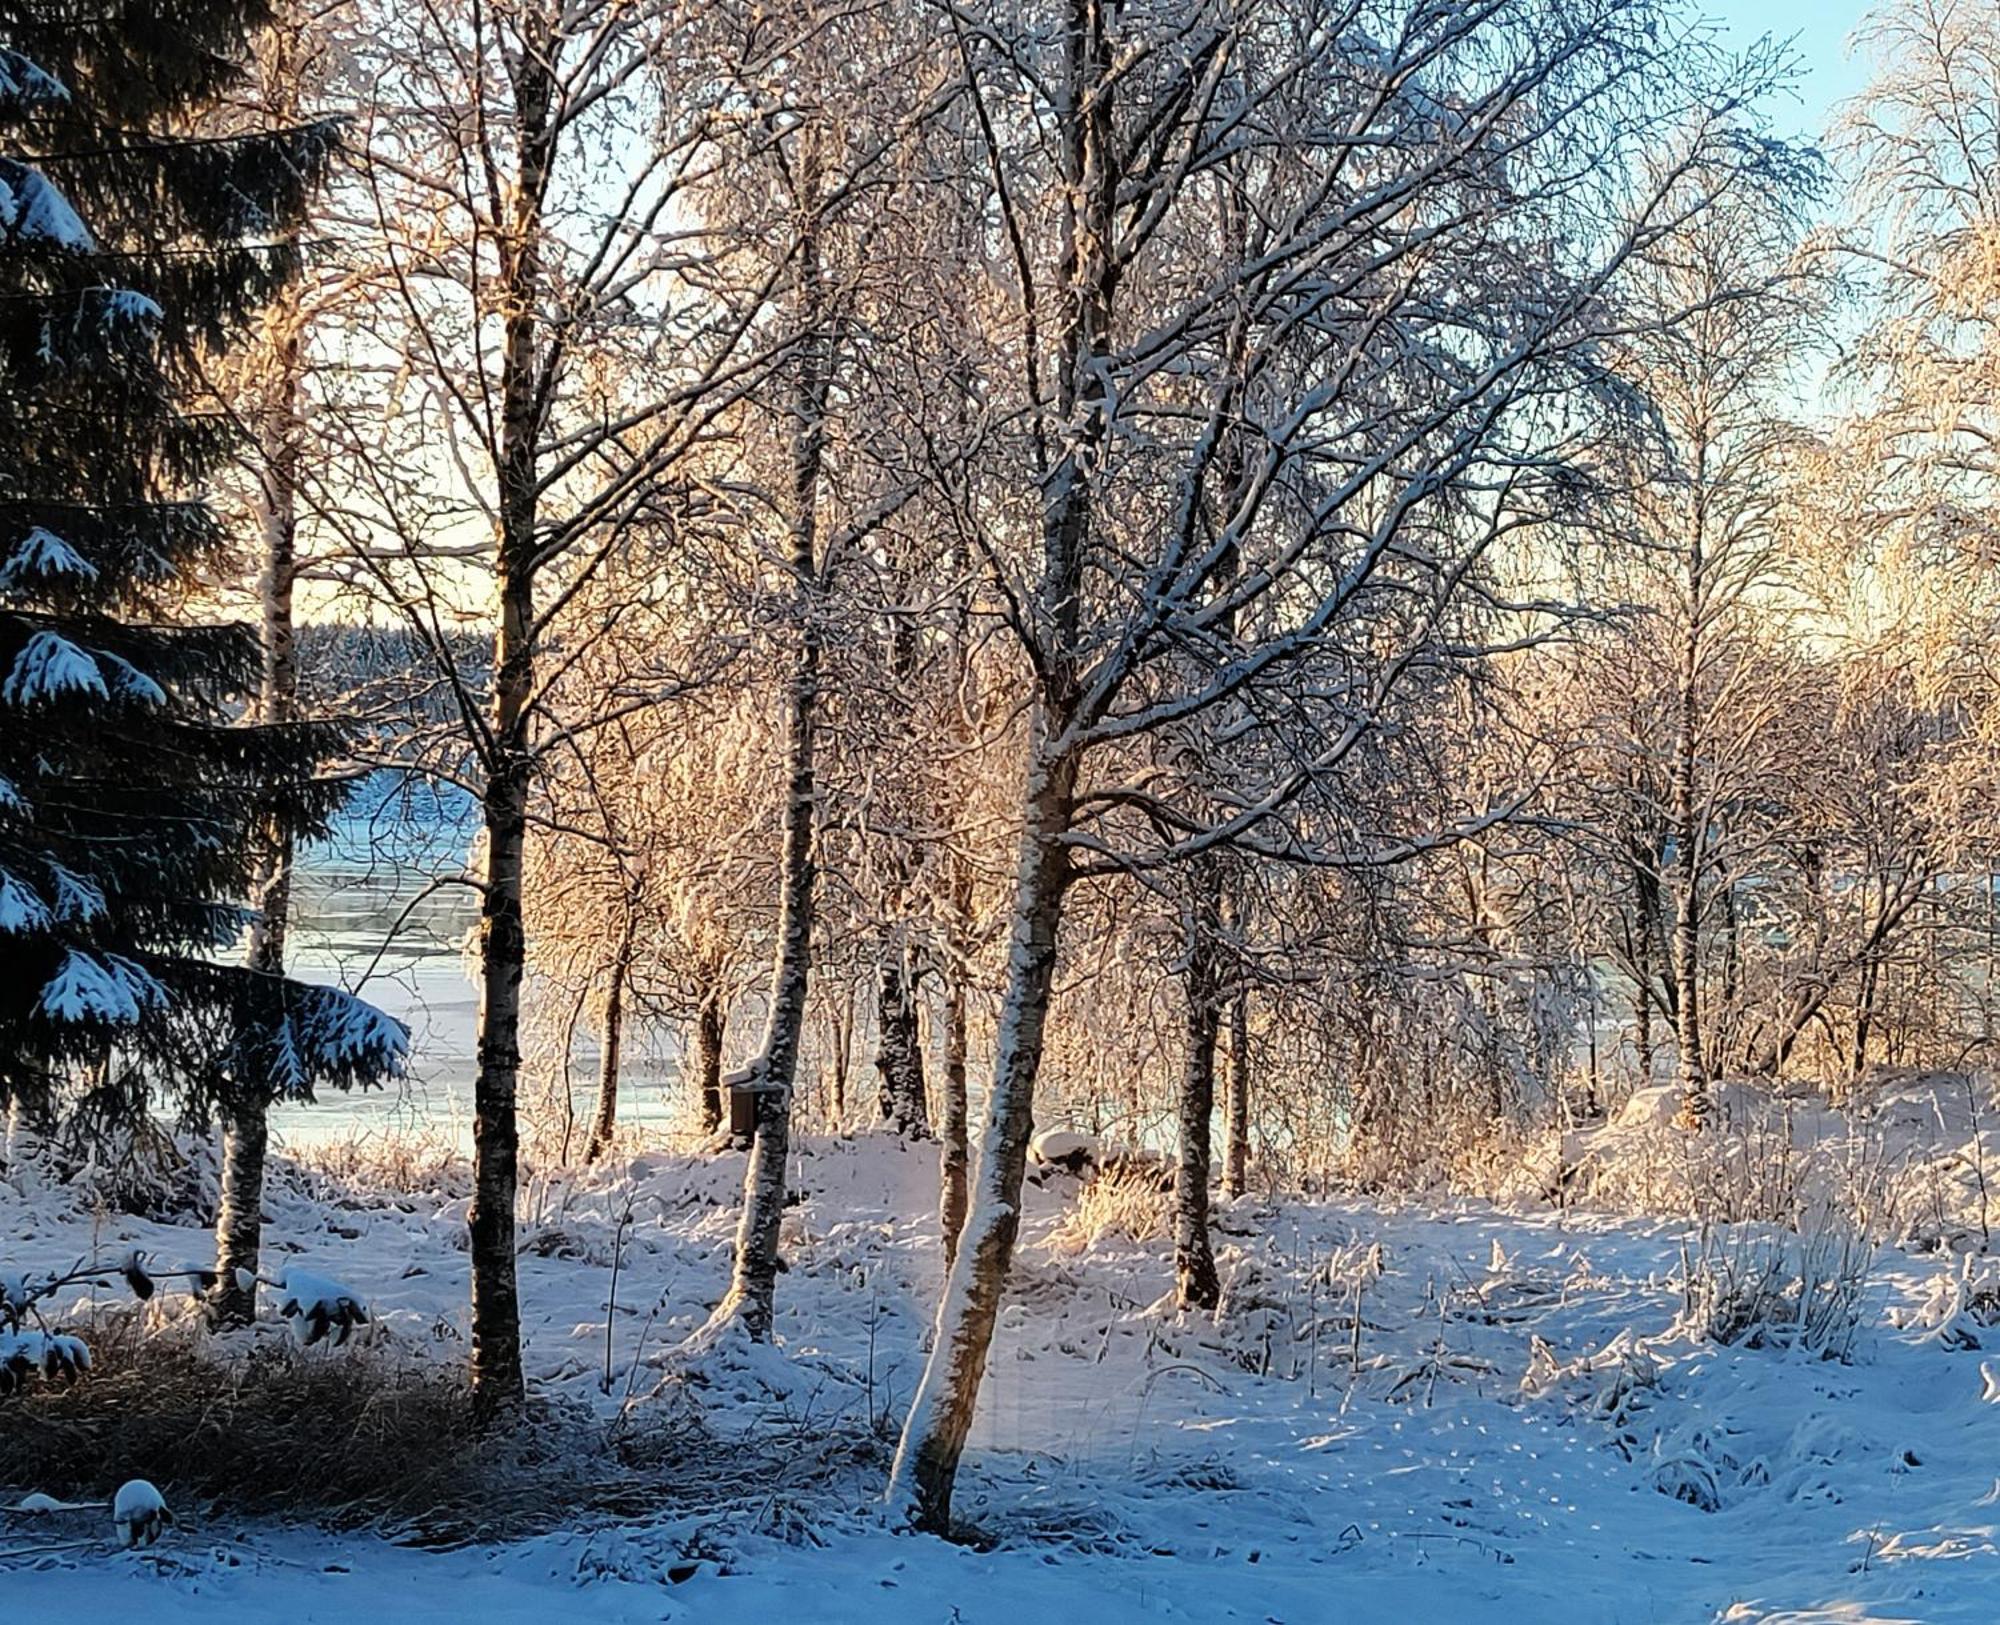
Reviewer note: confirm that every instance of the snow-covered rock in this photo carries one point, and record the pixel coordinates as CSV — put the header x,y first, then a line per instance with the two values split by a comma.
x,y
1065,1148
139,1513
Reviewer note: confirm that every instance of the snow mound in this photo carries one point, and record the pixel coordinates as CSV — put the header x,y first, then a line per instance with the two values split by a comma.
x,y
1908,1157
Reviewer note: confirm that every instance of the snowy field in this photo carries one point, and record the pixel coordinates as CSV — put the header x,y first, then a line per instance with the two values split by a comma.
x,y
1522,1427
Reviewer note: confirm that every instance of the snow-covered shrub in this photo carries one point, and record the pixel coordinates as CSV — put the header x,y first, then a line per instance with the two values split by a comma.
x,y
1963,1301
1065,1149
139,1515
320,1308
1453,1142
1505,1161
1720,1450
1767,1288
1771,1159
52,1356
135,1166
31,1349
374,1170
1696,1465
1355,1266
1688,1478
1612,1385
280,1430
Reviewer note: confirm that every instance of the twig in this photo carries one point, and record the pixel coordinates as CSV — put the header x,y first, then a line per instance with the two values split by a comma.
x,y
45,1551
611,1301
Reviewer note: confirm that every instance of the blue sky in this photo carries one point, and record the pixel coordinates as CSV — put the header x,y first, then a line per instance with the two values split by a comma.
x,y
1820,30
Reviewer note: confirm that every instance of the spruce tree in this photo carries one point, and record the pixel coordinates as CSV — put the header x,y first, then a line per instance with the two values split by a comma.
x,y
139,797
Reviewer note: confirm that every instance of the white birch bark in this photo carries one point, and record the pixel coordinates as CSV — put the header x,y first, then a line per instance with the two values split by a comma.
x,y
773,1075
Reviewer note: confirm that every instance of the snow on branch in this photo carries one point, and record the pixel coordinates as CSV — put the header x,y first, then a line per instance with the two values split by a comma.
x,y
30,1348
296,1035
21,911
25,85
42,557
50,1355
33,212
111,990
50,667
337,1035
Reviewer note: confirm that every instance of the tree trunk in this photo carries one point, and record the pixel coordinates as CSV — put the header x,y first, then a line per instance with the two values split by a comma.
x,y
497,1385
604,1121
752,1294
709,1031
23,1145
967,726
840,1026
1215,910
1991,982
1691,1074
1236,1140
899,1050
773,1075
1723,1013
899,1054
1196,1285
246,1133
1864,1020
940,1415
239,1217
954,1159
1645,893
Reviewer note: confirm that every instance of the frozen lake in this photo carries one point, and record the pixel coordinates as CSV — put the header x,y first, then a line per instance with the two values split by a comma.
x,y
367,916
343,917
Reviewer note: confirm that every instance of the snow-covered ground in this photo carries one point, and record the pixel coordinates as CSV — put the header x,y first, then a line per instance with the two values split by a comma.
x,y
1522,1428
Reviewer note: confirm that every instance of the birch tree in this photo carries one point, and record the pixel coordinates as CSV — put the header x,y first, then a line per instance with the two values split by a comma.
x,y
525,214
773,1070
1925,152
1730,322
1441,200
271,374
834,474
